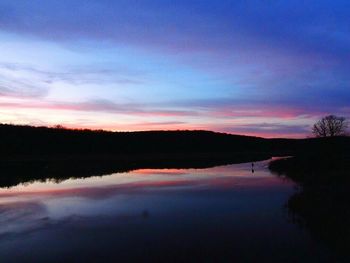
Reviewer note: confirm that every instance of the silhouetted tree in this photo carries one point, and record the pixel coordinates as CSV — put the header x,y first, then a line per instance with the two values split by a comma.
x,y
329,126
59,126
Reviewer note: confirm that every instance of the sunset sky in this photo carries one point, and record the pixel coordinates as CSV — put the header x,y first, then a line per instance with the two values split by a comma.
x,y
265,67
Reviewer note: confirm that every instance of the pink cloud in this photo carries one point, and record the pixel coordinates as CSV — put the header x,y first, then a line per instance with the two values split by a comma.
x,y
97,106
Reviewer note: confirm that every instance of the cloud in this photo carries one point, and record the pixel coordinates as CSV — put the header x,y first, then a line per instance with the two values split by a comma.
x,y
271,129
263,129
98,106
231,108
188,25
19,81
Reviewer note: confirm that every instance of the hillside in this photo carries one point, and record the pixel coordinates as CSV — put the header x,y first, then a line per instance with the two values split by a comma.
x,y
42,140
28,140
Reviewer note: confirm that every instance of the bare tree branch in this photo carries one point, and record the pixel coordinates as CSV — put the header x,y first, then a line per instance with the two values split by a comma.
x,y
330,126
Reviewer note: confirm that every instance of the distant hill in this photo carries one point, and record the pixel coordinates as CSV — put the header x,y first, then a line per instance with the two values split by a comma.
x,y
28,140
43,140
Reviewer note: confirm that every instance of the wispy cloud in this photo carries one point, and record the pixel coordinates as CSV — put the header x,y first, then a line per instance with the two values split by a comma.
x,y
270,130
18,81
97,106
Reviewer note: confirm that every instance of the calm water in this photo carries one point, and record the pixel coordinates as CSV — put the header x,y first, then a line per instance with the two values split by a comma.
x,y
221,214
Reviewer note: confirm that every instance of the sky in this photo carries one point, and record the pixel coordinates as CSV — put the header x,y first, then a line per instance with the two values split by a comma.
x,y
266,68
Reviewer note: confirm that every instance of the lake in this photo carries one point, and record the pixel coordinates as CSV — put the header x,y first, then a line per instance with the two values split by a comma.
x,y
220,214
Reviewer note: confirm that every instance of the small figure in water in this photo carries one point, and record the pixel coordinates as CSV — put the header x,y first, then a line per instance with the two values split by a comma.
x,y
252,167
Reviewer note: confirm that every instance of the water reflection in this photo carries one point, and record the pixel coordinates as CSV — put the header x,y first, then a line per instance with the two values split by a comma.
x,y
321,204
325,214
216,214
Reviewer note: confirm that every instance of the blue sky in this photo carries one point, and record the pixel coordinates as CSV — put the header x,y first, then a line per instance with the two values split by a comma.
x,y
268,67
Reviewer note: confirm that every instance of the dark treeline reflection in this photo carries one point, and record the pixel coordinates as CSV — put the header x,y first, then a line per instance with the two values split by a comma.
x,y
321,205
61,168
